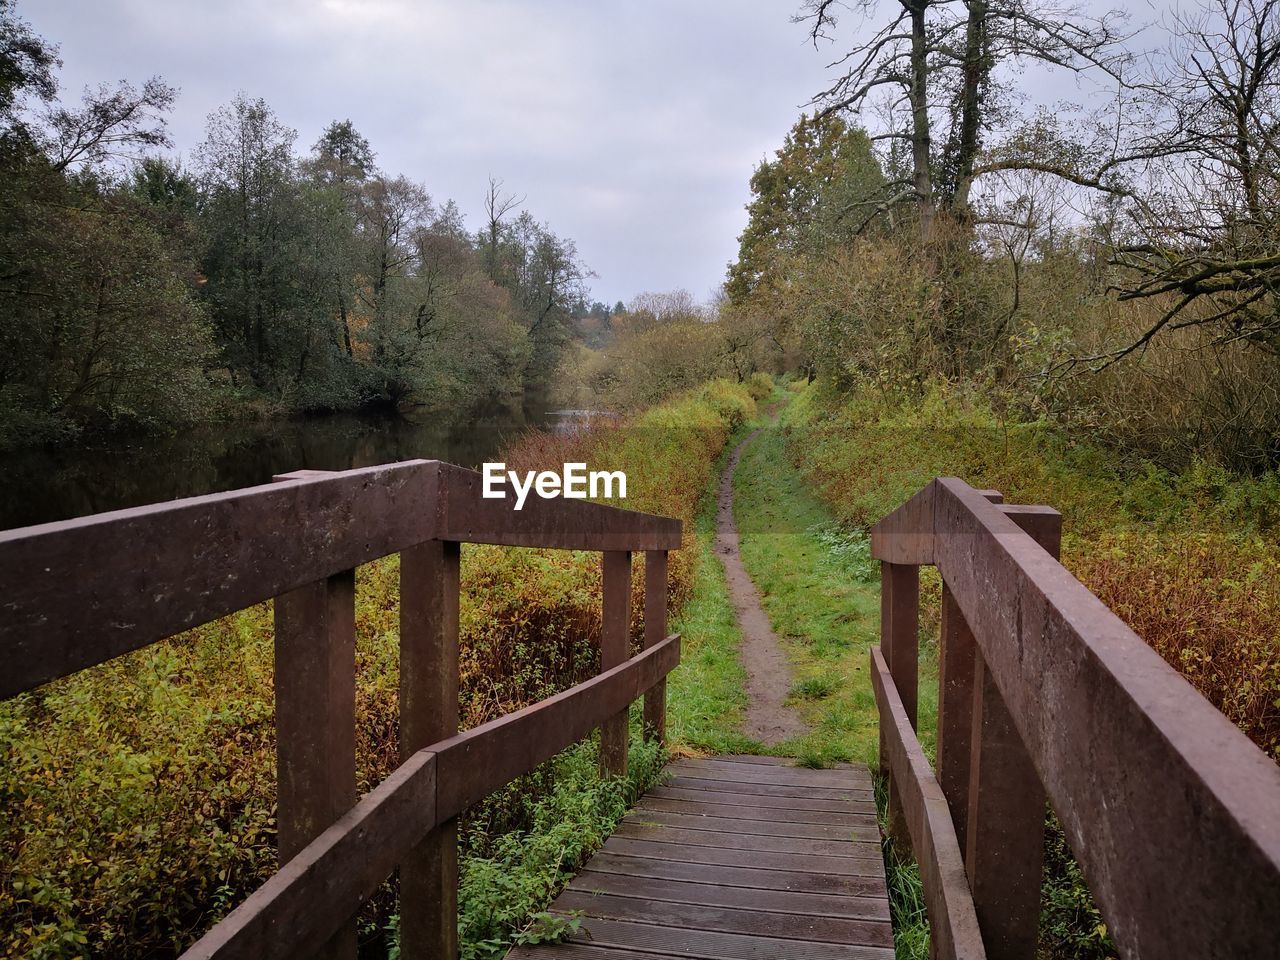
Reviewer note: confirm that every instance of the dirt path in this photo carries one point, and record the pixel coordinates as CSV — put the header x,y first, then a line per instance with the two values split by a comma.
x,y
768,719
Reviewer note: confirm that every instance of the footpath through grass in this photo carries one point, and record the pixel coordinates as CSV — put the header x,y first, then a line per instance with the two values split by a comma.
x,y
820,589
706,694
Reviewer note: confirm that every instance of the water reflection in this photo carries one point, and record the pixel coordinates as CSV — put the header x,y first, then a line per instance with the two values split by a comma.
x,y
40,485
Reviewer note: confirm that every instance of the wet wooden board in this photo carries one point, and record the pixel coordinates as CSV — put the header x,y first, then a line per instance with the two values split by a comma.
x,y
742,858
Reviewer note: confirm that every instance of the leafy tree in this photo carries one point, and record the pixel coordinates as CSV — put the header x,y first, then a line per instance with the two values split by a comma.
x,y
265,268
342,155
27,63
930,67
818,190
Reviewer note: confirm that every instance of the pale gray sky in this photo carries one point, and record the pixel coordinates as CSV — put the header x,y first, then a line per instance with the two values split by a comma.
x,y
631,127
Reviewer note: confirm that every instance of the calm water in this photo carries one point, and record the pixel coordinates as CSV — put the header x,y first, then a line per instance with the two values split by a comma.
x,y
40,485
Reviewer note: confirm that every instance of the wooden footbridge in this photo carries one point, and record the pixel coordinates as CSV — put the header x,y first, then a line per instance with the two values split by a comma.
x,y
1045,696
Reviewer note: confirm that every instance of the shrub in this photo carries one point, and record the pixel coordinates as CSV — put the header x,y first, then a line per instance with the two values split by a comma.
x,y
1182,558
139,795
760,385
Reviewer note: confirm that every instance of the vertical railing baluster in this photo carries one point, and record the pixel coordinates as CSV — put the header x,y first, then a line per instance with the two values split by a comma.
x,y
956,652
655,631
1004,835
900,641
315,689
615,638
429,593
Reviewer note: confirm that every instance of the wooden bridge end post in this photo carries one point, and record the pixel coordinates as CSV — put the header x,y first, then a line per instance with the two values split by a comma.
x,y
429,594
615,642
315,691
1003,837
957,652
655,631
900,644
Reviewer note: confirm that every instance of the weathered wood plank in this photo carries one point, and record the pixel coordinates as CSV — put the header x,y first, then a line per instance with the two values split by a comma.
x,y
757,814
707,780
744,898
615,643
749,922
79,592
711,945
295,912
781,776
429,601
582,951
859,804
689,853
1004,836
315,694
655,629
698,817
641,829
956,655
866,885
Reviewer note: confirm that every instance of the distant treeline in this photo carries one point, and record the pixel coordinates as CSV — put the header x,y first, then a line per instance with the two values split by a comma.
x,y
140,292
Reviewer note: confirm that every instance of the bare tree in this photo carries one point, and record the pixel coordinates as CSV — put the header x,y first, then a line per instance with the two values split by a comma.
x,y
931,66
496,207
1206,241
110,124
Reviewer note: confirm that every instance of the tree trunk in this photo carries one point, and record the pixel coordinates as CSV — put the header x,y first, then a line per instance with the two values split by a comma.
x,y
920,138
975,72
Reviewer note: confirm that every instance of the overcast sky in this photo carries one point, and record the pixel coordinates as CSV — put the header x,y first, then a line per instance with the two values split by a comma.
x,y
632,128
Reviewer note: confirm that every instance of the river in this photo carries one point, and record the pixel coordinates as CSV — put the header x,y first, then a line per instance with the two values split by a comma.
x,y
72,480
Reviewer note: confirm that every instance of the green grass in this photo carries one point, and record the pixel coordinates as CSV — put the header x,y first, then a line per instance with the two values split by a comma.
x,y
821,591
706,694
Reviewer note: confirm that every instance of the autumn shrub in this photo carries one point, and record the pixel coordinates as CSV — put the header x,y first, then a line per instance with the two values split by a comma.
x,y
1188,559
760,385
139,795
1209,604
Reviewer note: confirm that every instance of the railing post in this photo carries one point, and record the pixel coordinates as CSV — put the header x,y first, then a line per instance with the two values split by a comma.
x,y
315,689
1004,834
429,589
655,631
899,642
956,653
615,637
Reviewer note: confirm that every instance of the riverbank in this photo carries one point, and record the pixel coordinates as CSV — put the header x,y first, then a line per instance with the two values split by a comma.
x,y
180,737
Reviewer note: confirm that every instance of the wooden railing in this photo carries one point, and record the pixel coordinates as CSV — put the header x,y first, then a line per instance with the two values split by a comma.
x,y
1044,693
80,592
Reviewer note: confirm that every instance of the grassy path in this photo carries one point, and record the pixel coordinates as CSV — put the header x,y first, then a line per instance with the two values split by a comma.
x,y
771,718
820,590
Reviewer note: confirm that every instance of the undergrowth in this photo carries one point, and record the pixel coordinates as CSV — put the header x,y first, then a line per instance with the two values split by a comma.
x,y
138,796
1189,560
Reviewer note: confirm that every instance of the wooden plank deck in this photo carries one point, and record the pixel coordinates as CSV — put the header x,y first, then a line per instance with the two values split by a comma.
x,y
736,858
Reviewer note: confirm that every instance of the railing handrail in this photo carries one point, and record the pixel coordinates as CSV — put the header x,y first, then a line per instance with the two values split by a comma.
x,y
83,591
80,592
299,908
1172,811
